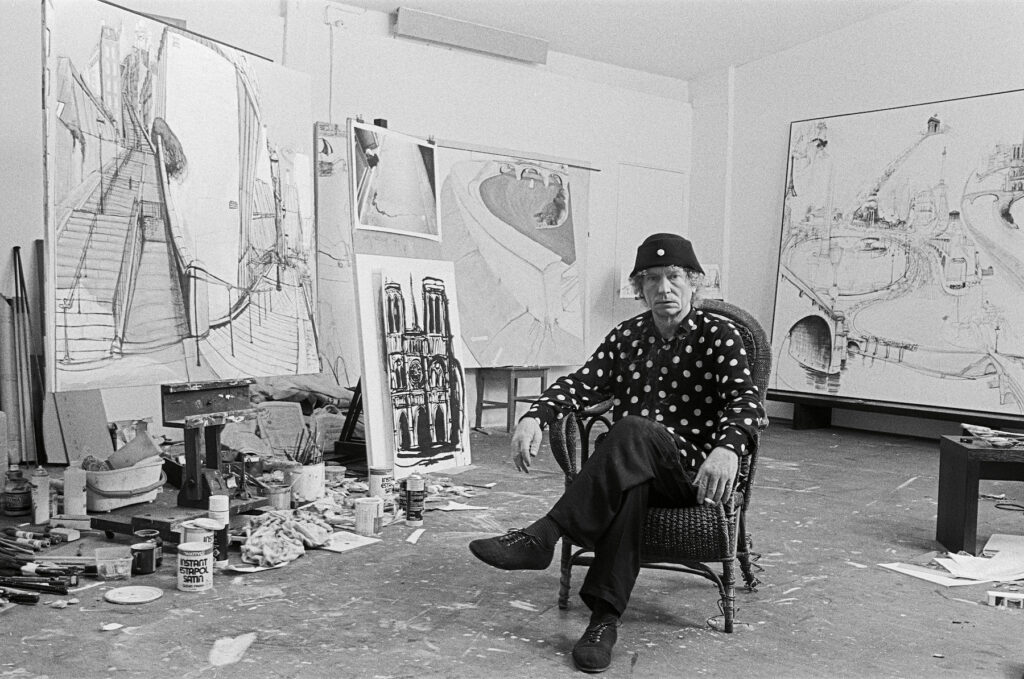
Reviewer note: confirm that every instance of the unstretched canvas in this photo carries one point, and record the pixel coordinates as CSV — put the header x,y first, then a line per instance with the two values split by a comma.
x,y
180,215
514,228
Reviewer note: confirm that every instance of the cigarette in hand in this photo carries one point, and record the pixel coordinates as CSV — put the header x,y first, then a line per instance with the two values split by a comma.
x,y
709,501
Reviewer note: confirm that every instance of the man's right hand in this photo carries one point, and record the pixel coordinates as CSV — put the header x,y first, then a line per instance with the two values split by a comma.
x,y
526,443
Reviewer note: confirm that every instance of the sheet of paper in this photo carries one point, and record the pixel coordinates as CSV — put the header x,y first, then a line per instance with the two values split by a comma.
x,y
929,574
1001,543
454,506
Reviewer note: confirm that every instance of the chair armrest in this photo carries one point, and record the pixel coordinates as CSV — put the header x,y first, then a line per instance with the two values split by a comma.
x,y
564,438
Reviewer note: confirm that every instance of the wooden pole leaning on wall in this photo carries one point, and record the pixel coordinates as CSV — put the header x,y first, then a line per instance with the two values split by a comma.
x,y
9,380
23,349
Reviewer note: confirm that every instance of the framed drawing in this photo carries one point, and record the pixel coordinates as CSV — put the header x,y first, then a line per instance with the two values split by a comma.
x,y
514,227
180,205
393,182
901,259
413,383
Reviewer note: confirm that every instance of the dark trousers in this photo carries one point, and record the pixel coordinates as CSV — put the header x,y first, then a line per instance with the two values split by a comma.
x,y
635,466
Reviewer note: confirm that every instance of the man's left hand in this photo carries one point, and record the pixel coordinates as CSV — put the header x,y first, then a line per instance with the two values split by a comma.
x,y
715,477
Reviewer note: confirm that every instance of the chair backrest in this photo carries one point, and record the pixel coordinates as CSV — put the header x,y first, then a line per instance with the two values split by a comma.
x,y
759,360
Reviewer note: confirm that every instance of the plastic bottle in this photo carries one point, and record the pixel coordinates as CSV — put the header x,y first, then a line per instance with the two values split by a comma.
x,y
17,493
219,510
40,496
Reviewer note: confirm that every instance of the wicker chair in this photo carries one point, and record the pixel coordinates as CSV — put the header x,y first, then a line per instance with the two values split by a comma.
x,y
686,539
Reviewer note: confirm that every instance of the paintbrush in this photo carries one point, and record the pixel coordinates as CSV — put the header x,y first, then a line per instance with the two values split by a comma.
x,y
15,597
49,588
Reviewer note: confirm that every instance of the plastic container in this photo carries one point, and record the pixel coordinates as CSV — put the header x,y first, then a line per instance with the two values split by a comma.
x,y
141,482
114,563
307,483
40,495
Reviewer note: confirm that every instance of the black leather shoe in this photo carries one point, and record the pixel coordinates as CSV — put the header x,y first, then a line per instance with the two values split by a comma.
x,y
514,551
593,652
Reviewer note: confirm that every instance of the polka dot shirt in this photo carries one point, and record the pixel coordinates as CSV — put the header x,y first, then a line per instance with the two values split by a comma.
x,y
697,384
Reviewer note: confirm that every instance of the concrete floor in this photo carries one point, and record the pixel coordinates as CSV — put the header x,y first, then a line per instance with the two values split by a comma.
x,y
828,506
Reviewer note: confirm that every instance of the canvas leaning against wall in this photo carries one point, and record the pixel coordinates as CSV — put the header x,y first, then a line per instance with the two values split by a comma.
x,y
393,182
902,257
414,387
336,301
180,194
515,228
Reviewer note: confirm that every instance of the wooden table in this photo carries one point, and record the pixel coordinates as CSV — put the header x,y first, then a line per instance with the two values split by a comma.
x,y
963,461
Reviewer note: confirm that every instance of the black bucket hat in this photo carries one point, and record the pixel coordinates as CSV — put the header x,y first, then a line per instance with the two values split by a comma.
x,y
665,249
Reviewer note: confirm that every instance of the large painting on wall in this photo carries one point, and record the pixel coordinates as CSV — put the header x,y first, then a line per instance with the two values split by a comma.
x,y
412,369
514,227
180,193
901,267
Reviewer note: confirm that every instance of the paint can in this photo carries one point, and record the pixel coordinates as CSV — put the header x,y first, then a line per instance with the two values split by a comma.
x,y
143,558
199,530
307,482
195,566
280,496
415,495
382,481
152,535
369,516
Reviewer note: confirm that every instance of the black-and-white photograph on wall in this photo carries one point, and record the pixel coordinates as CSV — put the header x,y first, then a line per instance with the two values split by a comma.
x,y
902,260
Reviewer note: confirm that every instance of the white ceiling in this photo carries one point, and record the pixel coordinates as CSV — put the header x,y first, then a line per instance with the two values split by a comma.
x,y
677,38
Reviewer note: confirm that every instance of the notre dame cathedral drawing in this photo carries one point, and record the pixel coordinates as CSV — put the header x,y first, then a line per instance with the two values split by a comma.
x,y
426,379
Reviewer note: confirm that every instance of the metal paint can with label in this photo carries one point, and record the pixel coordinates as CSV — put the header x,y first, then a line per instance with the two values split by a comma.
x,y
382,481
195,566
199,530
415,495
369,516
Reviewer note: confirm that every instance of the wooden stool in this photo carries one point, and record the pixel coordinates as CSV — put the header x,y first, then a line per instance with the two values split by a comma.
x,y
510,376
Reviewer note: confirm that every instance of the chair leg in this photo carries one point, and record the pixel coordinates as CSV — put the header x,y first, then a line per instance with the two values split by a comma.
x,y
566,575
728,593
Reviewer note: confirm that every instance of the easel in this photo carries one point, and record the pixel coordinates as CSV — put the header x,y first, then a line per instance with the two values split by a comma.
x,y
347,448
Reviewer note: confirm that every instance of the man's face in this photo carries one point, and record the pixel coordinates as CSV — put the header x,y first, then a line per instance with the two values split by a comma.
x,y
667,291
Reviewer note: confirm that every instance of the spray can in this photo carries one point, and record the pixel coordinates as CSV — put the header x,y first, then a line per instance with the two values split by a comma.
x,y
17,493
40,496
415,494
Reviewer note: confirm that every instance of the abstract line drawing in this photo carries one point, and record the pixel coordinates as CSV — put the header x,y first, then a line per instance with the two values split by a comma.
x,y
393,182
512,227
181,225
336,303
410,329
902,260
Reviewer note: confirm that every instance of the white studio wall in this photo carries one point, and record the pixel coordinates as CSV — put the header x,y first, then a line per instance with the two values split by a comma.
x,y
568,108
907,56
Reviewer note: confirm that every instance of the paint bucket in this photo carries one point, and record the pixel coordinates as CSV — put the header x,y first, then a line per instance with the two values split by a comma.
x,y
195,566
280,496
143,558
382,481
307,482
199,530
152,535
369,516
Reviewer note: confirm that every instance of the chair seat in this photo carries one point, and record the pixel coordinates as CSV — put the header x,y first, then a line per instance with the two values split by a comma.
x,y
686,534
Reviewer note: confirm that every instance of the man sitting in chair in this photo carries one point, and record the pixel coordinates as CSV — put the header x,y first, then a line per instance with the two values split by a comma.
x,y
684,410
